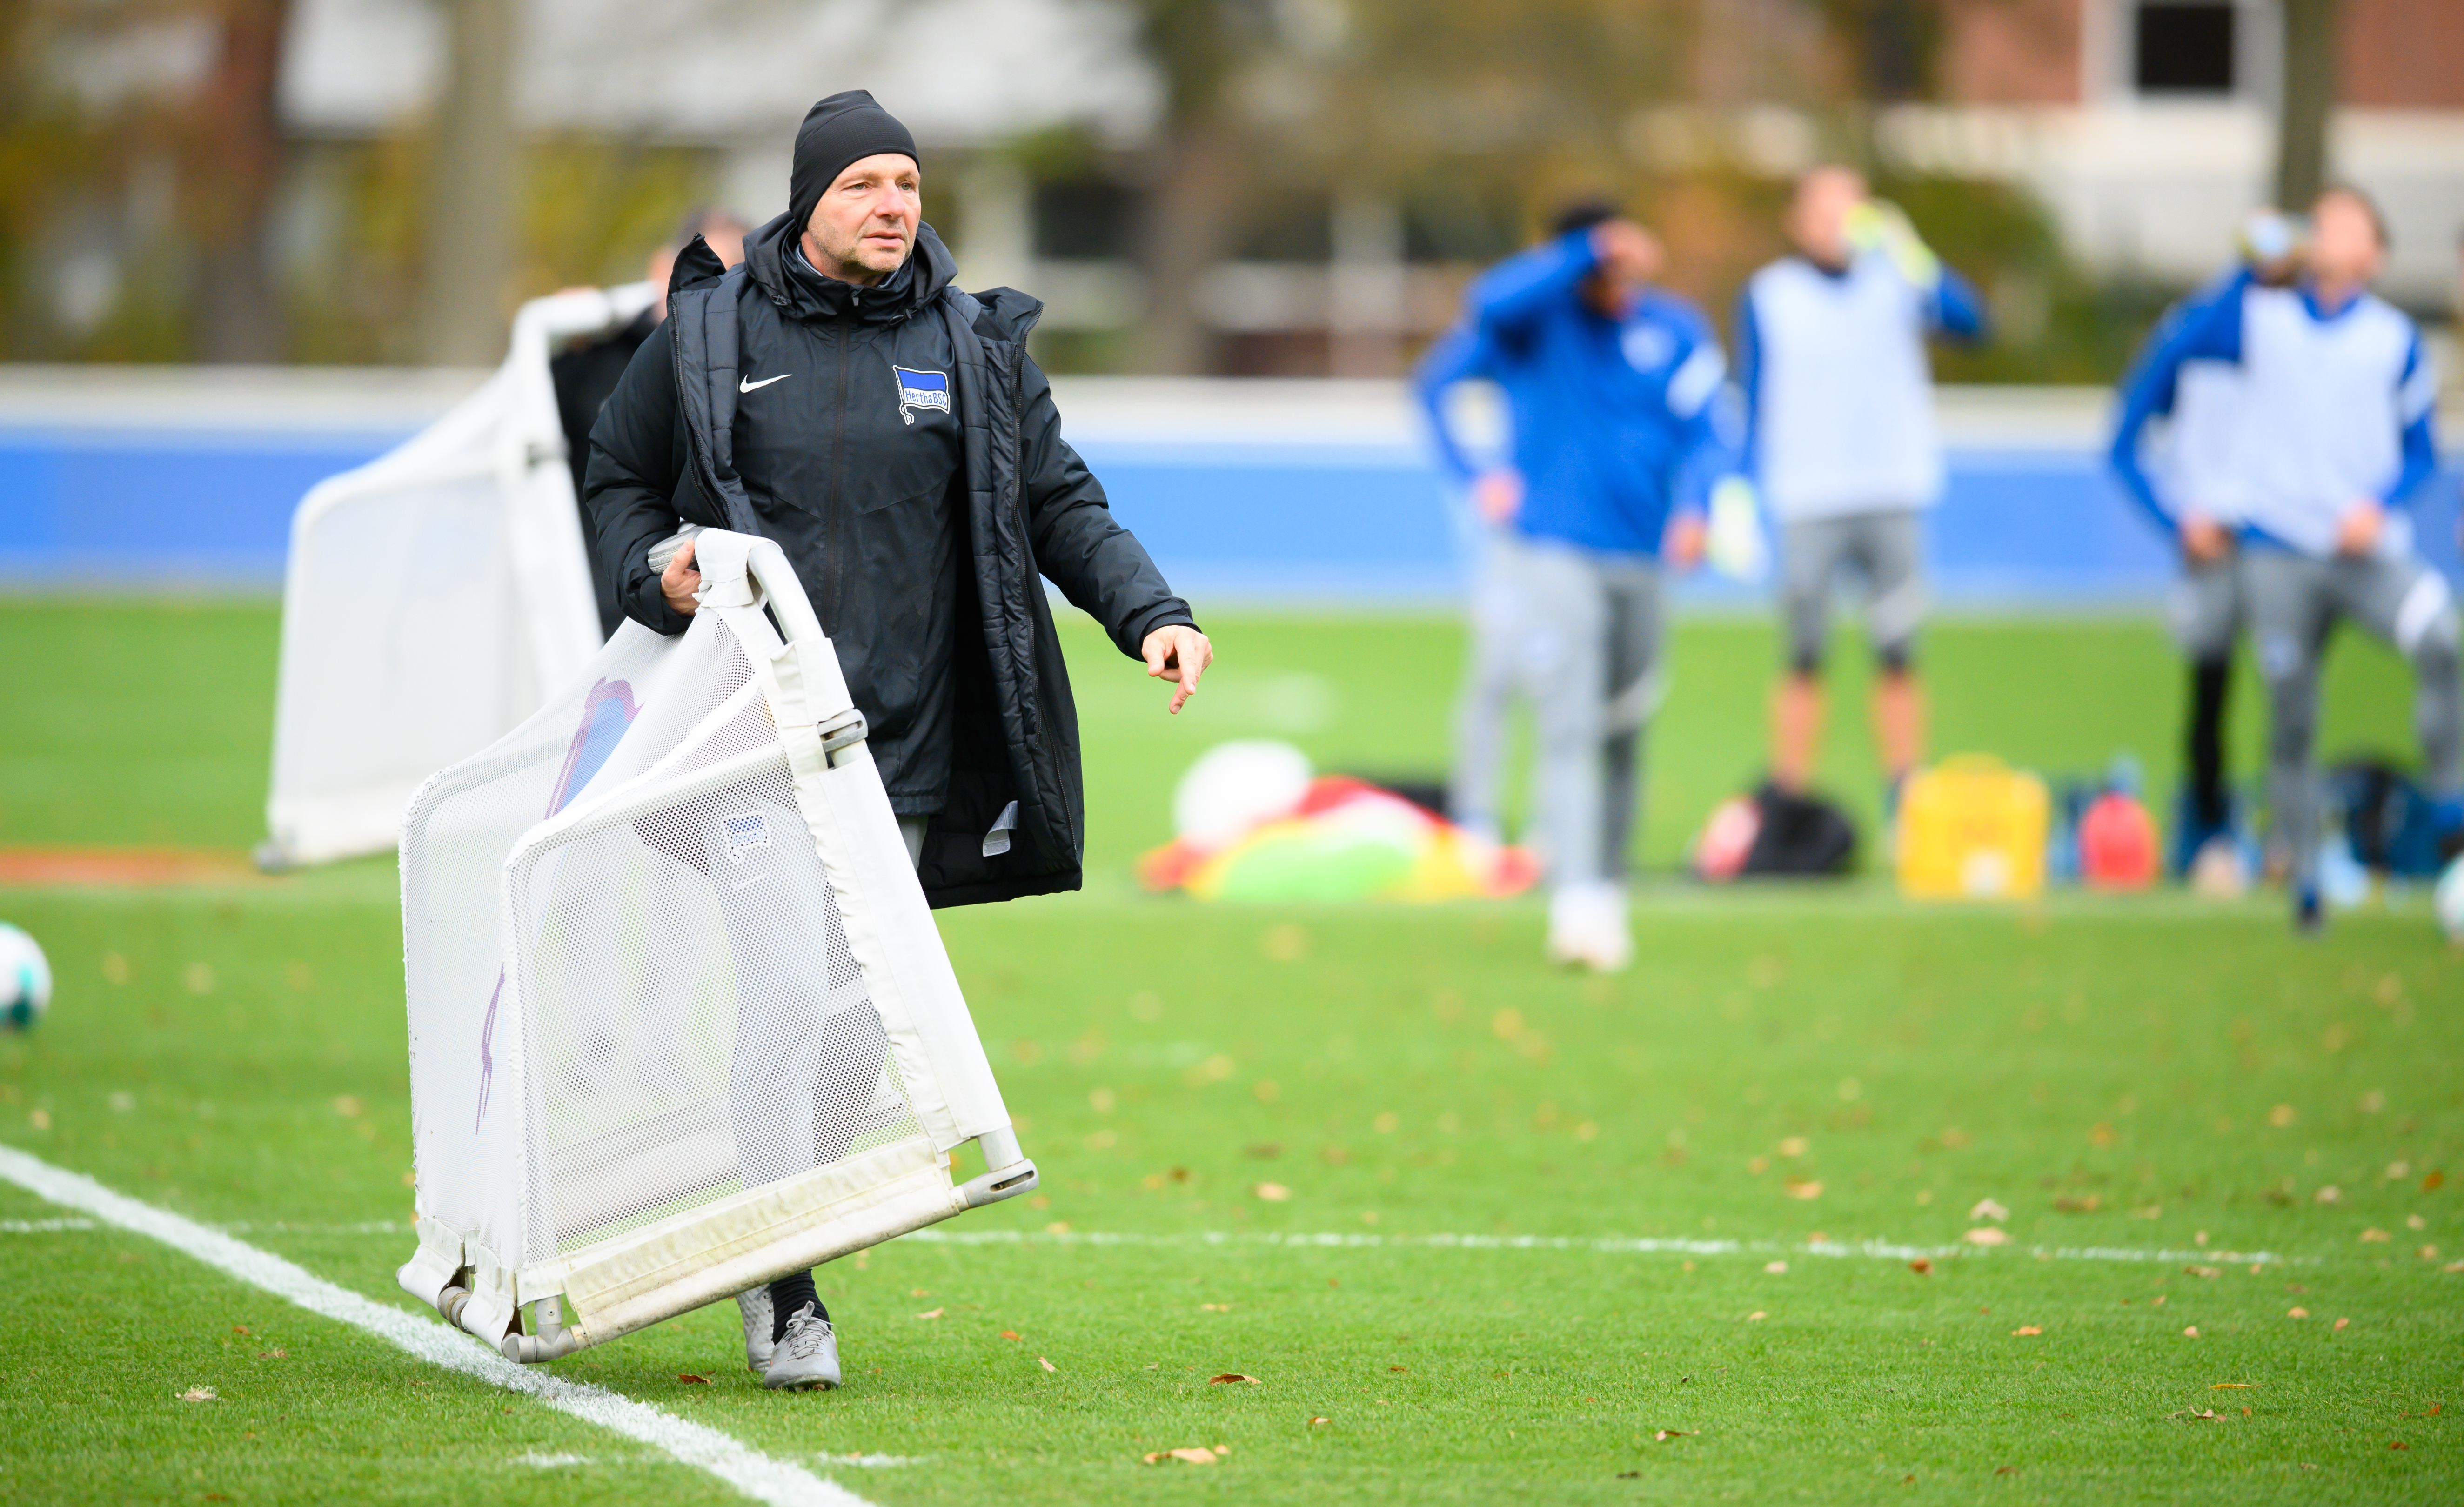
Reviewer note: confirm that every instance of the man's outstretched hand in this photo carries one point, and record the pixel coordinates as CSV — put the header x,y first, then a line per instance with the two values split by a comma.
x,y
678,583
1179,654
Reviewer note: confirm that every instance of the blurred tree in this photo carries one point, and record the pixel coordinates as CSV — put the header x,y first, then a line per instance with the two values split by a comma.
x,y
2309,91
472,183
1195,171
1885,52
1539,97
232,168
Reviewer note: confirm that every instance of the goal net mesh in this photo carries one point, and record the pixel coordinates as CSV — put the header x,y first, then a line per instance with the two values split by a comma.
x,y
676,1002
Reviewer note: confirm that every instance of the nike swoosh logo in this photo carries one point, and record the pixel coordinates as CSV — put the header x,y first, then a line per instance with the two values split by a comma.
x,y
748,384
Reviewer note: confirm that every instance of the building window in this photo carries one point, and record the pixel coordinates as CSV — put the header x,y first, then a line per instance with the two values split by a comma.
x,y
2183,47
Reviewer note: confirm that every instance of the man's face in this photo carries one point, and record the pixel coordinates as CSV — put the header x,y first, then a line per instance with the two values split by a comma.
x,y
864,224
1817,217
2345,247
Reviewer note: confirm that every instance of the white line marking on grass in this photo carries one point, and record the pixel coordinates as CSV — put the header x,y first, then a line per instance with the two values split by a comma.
x,y
740,1465
1606,1245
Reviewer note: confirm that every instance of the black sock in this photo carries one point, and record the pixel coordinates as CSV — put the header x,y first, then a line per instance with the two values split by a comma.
x,y
788,1296
2207,742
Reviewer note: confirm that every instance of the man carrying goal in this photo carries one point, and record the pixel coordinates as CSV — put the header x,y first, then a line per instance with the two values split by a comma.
x,y
838,394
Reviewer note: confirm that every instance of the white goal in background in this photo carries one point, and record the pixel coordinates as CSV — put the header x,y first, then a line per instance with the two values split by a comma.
x,y
432,598
680,1019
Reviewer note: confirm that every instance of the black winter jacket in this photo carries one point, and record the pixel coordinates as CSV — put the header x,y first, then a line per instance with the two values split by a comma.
x,y
847,476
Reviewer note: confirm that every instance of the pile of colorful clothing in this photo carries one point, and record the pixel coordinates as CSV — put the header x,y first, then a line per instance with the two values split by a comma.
x,y
1256,825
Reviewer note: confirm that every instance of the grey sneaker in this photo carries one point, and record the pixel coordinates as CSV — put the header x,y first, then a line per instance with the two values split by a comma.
x,y
808,1356
755,1301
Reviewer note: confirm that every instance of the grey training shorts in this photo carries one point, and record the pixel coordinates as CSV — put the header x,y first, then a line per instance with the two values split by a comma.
x,y
2205,610
1885,551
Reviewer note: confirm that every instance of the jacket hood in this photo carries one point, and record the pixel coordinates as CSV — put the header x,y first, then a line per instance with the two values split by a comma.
x,y
778,270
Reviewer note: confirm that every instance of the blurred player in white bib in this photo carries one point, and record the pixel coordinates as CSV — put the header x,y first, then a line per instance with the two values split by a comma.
x,y
2194,492
1840,441
2339,396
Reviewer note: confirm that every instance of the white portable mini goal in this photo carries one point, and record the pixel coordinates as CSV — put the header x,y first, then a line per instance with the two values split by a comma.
x,y
432,598
680,1020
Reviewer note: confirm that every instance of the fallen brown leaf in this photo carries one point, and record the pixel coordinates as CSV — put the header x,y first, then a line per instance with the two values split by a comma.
x,y
2191,1332
2029,1329
1009,1334
1215,1308
2231,1386
1225,1378
1755,1315
1803,1188
1987,1235
1920,1266
2202,1270
2433,1181
689,1379
1192,1455
932,1313
1047,1365
1990,1208
1272,1193
2196,1415
2297,1313
2006,1470
1663,1435
198,1394
2398,1444
2373,1236
2342,1322
1314,1422
1775,1268
239,1329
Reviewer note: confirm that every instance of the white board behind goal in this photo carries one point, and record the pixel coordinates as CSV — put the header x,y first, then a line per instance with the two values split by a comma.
x,y
432,598
680,1019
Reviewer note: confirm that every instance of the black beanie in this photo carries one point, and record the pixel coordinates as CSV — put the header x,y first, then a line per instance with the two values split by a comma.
x,y
841,129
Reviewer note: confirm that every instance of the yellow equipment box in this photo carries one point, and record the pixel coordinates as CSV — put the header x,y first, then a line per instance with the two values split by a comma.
x,y
1973,828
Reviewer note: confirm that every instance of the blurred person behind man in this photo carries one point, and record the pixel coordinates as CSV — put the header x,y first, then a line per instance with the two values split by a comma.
x,y
586,373
2195,498
1612,387
2339,396
1495,668
1841,443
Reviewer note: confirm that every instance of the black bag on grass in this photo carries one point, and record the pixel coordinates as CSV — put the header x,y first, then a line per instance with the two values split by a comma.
x,y
1801,835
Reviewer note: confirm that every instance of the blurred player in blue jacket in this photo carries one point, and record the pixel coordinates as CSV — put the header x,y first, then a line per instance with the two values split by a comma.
x,y
2196,498
2338,396
1495,672
1840,440
1613,388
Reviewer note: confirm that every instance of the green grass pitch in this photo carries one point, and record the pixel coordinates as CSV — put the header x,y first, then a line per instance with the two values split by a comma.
x,y
1642,1239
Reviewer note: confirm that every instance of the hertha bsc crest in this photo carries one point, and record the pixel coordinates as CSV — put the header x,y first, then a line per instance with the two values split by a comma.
x,y
921,389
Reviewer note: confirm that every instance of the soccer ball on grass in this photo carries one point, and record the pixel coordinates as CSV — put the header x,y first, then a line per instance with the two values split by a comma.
x,y
25,980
